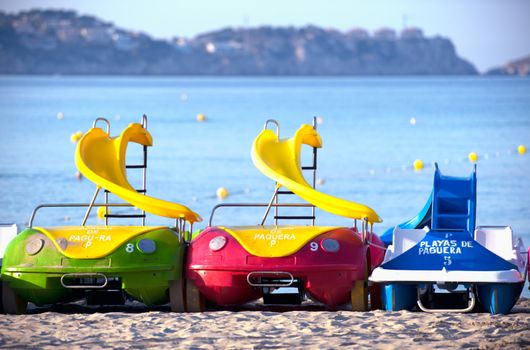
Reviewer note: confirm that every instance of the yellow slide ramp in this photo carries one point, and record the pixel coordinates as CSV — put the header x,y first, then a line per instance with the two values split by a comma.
x,y
280,161
101,159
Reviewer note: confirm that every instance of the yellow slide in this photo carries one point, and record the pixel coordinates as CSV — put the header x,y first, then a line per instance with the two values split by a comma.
x,y
280,161
101,159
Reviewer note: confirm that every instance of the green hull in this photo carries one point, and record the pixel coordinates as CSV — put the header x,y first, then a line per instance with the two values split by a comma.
x,y
145,277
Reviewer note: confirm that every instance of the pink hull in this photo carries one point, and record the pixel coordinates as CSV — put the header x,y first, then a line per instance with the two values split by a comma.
x,y
327,277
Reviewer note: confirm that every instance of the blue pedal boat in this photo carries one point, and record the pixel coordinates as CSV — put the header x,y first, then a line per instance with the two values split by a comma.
x,y
450,265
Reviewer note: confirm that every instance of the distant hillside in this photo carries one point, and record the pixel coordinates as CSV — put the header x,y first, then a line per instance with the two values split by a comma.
x,y
520,67
63,42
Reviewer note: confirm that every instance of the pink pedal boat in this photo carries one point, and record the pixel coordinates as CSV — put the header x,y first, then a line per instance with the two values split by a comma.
x,y
283,264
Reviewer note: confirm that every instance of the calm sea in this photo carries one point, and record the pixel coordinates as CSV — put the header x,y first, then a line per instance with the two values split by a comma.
x,y
369,141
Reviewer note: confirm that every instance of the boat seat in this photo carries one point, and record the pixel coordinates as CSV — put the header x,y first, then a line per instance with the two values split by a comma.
x,y
498,239
7,233
404,239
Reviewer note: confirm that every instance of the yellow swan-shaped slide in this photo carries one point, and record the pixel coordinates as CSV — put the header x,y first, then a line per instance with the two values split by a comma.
x,y
101,159
280,161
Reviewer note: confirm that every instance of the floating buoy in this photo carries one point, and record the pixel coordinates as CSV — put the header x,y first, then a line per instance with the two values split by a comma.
x,y
418,164
473,157
521,149
320,120
320,182
201,117
60,115
78,176
76,136
102,212
66,218
222,193
412,121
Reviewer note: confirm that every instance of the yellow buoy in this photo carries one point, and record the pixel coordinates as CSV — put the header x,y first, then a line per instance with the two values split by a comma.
x,y
521,149
76,136
222,193
102,212
418,164
473,157
201,117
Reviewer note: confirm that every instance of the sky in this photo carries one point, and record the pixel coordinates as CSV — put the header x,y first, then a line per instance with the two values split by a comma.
x,y
487,32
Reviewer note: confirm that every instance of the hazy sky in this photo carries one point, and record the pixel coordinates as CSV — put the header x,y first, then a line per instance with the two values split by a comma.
x,y
487,32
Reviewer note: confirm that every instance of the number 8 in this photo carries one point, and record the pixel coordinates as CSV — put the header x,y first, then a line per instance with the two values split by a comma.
x,y
129,248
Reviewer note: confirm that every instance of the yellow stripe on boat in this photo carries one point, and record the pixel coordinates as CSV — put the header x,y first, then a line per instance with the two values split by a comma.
x,y
92,242
275,241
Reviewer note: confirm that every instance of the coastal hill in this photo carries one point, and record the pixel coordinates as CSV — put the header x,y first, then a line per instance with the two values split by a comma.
x,y
520,67
63,42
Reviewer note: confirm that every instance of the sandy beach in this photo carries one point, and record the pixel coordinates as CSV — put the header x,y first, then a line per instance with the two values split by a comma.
x,y
134,326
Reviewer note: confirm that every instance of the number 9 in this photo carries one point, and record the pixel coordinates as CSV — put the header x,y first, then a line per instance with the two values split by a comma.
x,y
313,246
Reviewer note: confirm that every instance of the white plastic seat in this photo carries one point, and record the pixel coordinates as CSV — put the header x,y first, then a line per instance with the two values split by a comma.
x,y
7,233
498,239
404,239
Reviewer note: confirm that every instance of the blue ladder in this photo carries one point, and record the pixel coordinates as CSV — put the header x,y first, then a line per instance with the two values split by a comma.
x,y
454,202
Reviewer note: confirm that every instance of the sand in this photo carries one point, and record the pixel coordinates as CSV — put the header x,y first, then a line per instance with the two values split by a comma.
x,y
134,326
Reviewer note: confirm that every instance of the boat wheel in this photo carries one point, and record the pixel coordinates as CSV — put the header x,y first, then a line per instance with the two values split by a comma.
x,y
12,303
359,293
176,296
376,303
195,301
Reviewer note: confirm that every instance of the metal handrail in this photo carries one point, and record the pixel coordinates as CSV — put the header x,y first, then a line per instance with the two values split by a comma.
x,y
144,121
470,306
103,120
246,205
277,274
72,205
84,286
275,122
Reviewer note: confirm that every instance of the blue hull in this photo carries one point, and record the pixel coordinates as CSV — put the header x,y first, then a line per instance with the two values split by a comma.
x,y
396,297
498,298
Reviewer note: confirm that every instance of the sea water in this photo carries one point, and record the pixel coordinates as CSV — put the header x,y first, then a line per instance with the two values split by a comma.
x,y
372,129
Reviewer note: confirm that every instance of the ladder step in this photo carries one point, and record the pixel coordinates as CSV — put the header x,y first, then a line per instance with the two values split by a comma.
x,y
451,215
125,216
136,166
285,192
309,168
137,190
293,217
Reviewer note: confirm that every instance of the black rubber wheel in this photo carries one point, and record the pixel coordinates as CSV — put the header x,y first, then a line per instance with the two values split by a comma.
x,y
375,297
195,301
176,296
12,303
1,298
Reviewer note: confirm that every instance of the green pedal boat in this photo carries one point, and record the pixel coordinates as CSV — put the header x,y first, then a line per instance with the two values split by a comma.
x,y
102,264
